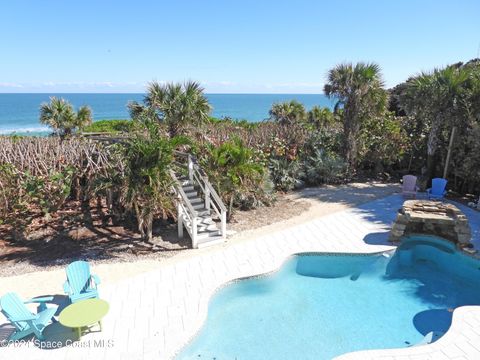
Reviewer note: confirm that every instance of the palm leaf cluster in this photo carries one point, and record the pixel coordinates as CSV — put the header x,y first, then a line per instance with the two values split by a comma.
x,y
439,101
175,105
62,118
237,174
359,94
147,181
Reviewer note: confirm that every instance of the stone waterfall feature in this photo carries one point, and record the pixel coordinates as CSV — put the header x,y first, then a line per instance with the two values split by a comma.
x,y
432,218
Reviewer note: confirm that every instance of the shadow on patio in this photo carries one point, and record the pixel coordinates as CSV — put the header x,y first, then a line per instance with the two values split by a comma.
x,y
56,335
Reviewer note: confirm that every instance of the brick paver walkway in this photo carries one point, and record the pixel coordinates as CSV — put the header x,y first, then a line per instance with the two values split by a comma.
x,y
154,314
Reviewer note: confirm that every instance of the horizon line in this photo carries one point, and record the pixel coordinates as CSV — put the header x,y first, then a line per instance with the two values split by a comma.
x,y
143,93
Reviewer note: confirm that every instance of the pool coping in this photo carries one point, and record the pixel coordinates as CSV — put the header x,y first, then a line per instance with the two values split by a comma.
x,y
447,347
153,315
459,342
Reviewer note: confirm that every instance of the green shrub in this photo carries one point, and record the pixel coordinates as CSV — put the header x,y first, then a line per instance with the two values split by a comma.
x,y
237,175
38,174
147,183
324,168
109,126
10,195
384,142
48,192
328,140
286,175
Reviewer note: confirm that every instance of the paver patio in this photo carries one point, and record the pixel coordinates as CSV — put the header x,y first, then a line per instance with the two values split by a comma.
x,y
154,314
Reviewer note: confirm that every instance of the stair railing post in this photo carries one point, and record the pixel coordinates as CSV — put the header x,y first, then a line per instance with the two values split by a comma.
x,y
224,224
190,168
194,232
180,219
207,194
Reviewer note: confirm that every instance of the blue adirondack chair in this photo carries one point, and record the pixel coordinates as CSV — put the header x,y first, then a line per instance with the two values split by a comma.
x,y
437,191
23,319
80,284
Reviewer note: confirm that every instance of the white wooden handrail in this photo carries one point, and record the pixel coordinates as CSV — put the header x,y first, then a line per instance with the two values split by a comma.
x,y
182,194
197,177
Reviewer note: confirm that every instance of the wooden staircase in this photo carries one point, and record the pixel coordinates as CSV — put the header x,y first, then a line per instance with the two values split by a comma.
x,y
200,210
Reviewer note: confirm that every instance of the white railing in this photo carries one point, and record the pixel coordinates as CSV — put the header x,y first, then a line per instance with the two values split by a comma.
x,y
212,200
185,211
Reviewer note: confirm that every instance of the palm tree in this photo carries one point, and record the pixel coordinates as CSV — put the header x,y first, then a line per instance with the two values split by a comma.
x,y
358,90
320,117
288,112
235,172
62,118
147,189
177,105
437,99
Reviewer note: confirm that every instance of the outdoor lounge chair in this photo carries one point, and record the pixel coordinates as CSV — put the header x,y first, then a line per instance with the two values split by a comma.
x,y
23,319
409,187
437,191
80,284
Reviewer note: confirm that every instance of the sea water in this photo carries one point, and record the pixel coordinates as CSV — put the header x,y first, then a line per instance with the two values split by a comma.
x,y
20,112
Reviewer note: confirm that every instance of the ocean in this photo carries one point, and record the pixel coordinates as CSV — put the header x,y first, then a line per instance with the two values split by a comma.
x,y
19,112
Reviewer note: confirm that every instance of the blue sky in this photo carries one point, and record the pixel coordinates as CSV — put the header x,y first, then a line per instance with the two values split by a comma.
x,y
229,46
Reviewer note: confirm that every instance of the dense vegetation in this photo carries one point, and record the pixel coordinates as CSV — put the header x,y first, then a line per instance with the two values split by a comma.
x,y
109,126
372,131
436,106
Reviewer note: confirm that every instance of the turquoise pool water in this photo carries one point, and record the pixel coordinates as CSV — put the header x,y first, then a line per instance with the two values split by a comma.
x,y
322,306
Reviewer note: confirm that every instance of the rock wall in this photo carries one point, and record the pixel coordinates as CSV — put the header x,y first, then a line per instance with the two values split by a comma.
x,y
432,218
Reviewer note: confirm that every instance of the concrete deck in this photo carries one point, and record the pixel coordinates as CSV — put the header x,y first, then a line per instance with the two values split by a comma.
x,y
156,313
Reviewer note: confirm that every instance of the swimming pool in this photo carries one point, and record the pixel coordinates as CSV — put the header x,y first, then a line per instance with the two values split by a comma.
x,y
318,306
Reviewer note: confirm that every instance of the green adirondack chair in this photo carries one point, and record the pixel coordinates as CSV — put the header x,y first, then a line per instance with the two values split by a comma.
x,y
80,284
26,322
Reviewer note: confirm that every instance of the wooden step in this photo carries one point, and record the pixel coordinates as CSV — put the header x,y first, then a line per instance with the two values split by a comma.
x,y
188,188
207,233
191,193
208,230
208,238
195,200
202,211
201,228
203,225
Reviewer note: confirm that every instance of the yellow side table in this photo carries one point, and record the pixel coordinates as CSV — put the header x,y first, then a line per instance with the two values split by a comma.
x,y
84,314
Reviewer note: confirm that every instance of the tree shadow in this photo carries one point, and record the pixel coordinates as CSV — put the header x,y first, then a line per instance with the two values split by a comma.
x,y
377,238
6,330
89,242
57,334
52,332
433,320
350,194
382,211
433,284
473,220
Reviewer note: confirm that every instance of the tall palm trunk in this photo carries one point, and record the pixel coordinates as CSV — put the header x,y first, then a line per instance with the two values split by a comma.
x,y
145,221
432,145
351,128
173,129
